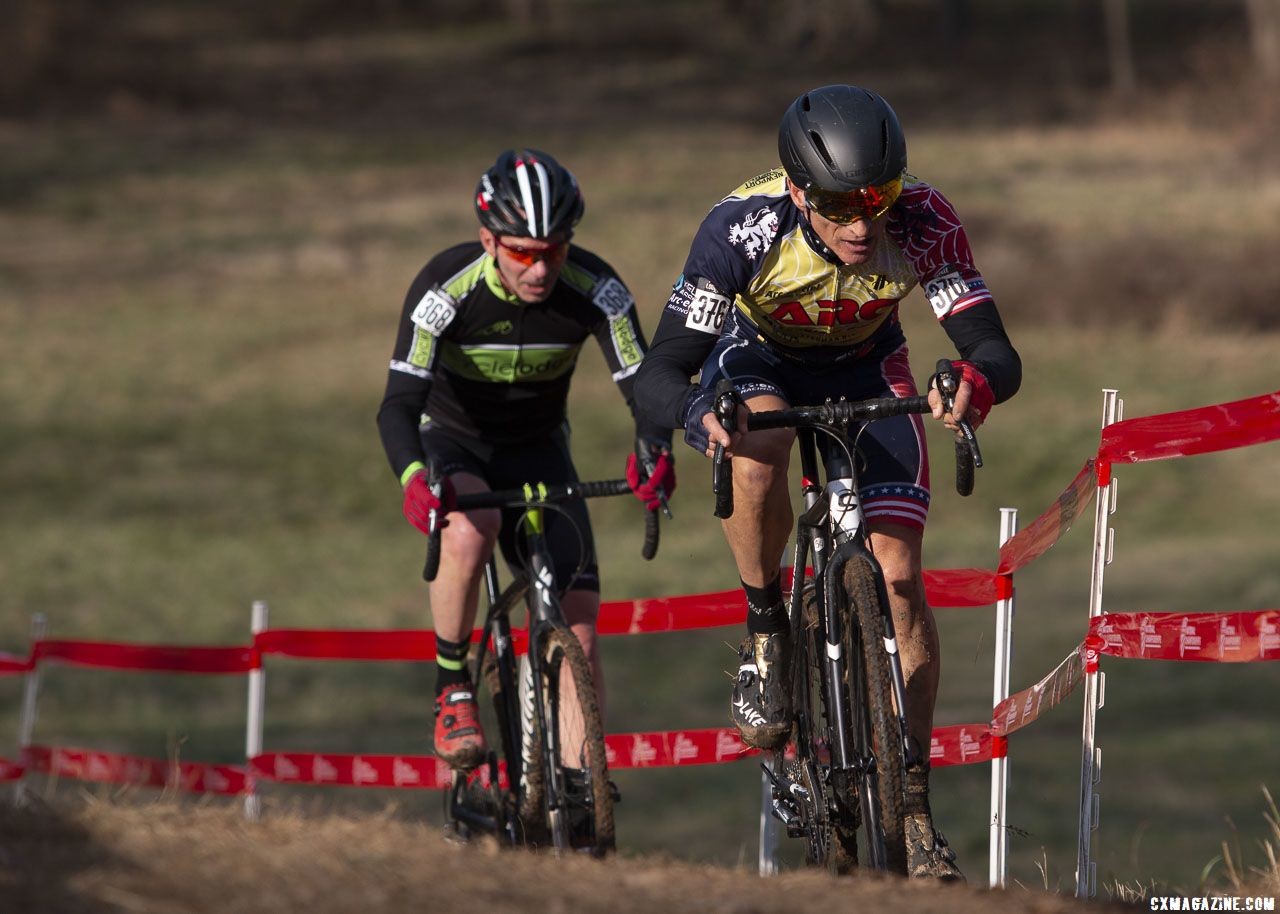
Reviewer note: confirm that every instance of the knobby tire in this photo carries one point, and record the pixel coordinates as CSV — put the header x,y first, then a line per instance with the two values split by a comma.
x,y
872,702
558,647
832,813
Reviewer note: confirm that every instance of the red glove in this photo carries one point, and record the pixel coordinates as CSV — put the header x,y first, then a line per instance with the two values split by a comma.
x,y
420,501
981,399
662,478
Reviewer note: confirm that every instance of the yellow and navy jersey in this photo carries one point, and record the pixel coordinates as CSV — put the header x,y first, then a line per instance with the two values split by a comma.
x,y
756,252
757,270
474,359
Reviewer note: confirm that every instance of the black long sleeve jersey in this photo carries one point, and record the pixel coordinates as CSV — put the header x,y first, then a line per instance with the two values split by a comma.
x,y
476,360
757,270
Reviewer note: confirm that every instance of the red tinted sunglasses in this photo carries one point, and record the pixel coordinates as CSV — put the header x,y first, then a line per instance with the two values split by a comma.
x,y
865,203
529,256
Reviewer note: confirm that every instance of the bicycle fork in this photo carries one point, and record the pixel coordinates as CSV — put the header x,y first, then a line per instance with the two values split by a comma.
x,y
497,627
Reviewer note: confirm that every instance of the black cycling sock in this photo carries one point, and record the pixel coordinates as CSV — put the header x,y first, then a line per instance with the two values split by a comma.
x,y
766,614
451,663
916,795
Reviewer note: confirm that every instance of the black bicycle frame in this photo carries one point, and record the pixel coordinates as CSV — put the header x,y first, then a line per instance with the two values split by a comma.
x,y
544,613
816,536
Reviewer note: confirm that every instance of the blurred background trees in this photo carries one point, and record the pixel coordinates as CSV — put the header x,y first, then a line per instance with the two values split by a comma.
x,y
66,46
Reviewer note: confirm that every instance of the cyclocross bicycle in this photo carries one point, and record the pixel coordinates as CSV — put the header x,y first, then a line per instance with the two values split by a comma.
x,y
844,768
550,786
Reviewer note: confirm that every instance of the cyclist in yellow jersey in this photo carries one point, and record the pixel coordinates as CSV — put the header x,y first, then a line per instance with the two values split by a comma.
x,y
791,291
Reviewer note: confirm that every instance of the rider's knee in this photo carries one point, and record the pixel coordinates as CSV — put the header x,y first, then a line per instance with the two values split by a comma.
x,y
469,537
764,466
902,575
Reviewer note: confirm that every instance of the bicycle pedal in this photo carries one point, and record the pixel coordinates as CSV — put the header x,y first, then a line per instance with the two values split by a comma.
x,y
784,813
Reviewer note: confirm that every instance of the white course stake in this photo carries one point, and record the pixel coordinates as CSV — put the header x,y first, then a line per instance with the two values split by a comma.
x,y
27,721
257,712
1090,754
999,845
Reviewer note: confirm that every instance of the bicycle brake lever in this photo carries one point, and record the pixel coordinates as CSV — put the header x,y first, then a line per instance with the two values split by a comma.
x,y
948,386
649,465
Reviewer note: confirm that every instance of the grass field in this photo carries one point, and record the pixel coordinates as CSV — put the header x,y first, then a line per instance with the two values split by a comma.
x,y
198,309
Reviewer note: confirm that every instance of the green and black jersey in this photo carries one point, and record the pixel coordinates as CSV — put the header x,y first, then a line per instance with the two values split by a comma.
x,y
476,360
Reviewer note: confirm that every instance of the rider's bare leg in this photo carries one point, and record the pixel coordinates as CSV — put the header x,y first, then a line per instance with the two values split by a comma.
x,y
898,550
757,532
581,607
465,546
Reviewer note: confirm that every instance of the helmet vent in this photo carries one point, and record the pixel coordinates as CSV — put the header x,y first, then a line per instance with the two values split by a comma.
x,y
821,147
884,138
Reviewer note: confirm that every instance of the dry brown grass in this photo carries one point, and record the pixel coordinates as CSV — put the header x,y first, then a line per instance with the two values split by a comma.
x,y
162,858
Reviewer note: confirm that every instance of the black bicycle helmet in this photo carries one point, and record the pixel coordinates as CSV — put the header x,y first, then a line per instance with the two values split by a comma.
x,y
528,194
840,139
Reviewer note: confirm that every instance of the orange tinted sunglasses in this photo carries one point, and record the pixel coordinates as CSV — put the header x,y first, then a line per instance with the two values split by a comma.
x,y
865,203
528,256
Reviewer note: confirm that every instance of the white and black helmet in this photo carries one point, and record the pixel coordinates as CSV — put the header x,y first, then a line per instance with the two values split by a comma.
x,y
528,194
840,139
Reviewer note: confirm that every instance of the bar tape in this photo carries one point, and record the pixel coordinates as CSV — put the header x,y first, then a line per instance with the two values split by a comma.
x,y
1193,431
1237,637
160,658
113,768
1016,711
1035,540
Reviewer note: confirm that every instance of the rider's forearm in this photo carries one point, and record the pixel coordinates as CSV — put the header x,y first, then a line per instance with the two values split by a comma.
x,y
646,427
398,426
980,338
662,390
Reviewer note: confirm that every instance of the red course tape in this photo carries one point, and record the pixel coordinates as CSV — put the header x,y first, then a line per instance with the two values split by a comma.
x,y
1016,711
112,768
1242,637
1035,540
159,658
13,666
1193,431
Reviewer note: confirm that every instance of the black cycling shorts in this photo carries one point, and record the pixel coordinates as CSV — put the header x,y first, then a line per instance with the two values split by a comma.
x,y
510,466
893,460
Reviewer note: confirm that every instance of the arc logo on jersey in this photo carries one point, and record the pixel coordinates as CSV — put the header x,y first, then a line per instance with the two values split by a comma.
x,y
831,313
755,233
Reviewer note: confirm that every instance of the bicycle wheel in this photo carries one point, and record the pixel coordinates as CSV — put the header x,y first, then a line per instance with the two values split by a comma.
x,y
582,814
876,732
503,688
499,679
832,818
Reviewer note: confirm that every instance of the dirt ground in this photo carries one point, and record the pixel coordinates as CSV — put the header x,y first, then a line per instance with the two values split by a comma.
x,y
164,859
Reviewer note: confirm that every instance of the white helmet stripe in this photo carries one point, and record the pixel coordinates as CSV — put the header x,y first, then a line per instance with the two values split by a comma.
x,y
526,194
544,184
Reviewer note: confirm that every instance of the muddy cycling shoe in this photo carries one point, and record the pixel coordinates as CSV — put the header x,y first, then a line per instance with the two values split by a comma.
x,y
458,736
928,856
760,706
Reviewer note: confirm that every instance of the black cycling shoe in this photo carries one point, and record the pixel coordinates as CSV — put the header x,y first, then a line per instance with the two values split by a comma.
x,y
761,702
